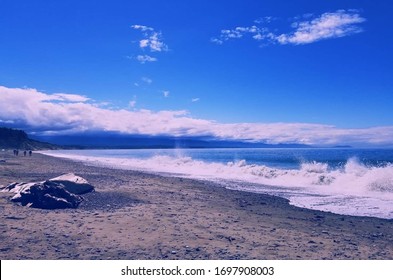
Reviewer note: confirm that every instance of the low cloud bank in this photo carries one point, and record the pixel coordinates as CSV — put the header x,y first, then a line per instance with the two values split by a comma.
x,y
61,113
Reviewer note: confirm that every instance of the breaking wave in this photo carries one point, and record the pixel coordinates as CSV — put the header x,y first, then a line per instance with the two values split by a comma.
x,y
352,188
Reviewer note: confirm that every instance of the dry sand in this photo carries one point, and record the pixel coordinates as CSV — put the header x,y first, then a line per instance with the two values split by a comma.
x,y
135,215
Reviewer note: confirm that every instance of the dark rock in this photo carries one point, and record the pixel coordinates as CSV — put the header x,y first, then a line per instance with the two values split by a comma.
x,y
56,193
46,195
74,184
70,182
15,187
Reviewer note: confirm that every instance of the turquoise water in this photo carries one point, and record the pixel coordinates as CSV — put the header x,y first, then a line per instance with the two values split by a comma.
x,y
345,181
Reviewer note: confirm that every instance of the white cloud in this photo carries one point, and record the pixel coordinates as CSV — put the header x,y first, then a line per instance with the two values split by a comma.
x,y
236,33
326,26
147,80
152,39
144,43
165,93
155,43
145,58
45,112
69,97
132,103
195,99
267,19
217,41
142,27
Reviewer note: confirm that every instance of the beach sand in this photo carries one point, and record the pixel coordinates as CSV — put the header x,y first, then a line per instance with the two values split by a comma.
x,y
135,215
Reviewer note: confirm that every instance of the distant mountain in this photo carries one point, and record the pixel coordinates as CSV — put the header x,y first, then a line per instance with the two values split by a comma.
x,y
121,141
18,139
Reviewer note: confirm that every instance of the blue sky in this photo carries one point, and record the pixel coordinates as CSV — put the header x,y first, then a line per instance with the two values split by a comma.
x,y
305,68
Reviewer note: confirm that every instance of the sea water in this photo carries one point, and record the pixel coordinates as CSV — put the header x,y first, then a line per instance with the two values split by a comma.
x,y
344,181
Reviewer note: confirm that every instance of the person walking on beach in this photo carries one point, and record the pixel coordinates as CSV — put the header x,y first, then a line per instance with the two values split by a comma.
x,y
24,153
30,152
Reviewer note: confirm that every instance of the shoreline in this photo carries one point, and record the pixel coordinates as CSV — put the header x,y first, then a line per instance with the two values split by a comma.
x,y
139,215
350,188
226,184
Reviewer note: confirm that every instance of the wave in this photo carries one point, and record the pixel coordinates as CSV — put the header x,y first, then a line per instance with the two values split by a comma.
x,y
314,185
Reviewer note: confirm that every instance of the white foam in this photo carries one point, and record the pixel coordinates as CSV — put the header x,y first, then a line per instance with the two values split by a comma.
x,y
353,189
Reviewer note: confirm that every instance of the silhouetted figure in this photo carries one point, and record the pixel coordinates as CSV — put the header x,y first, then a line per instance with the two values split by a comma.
x,y
14,152
30,153
24,153
17,153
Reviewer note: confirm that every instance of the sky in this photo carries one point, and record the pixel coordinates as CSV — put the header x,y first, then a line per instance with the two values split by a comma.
x,y
309,72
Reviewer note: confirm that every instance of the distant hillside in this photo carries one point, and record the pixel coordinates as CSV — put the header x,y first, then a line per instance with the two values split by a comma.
x,y
119,141
18,139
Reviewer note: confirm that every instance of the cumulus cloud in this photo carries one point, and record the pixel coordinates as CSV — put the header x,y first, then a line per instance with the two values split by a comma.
x,y
152,40
326,26
165,93
46,113
145,58
195,99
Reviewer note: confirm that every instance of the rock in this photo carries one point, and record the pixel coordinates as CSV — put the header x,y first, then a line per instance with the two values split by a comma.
x,y
70,182
74,184
59,192
45,195
16,187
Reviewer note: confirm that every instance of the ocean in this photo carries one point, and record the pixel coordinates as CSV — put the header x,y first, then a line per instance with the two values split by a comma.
x,y
345,181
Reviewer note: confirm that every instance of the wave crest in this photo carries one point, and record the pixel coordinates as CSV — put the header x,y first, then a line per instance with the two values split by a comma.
x,y
352,178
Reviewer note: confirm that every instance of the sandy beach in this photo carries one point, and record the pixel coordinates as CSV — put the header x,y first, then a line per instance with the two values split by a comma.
x,y
135,215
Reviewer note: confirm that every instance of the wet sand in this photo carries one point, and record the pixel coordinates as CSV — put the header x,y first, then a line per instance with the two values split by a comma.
x,y
135,215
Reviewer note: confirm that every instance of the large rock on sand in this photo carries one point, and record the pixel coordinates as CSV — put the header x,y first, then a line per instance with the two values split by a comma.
x,y
74,184
45,195
70,182
59,192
